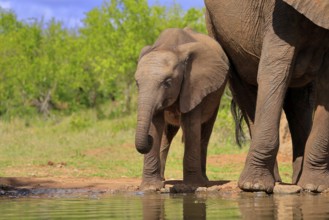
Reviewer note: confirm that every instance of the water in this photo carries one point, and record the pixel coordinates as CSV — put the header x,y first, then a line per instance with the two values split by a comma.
x,y
166,206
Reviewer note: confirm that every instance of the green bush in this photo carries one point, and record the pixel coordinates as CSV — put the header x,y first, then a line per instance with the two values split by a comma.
x,y
46,68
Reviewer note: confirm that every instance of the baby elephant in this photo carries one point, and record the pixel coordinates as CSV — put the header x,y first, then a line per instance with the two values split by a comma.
x,y
180,81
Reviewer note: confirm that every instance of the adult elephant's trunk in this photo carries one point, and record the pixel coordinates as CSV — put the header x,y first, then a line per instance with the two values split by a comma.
x,y
143,140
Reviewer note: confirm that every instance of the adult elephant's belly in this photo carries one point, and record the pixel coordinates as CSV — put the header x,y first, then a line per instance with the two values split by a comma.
x,y
244,50
239,28
245,63
307,65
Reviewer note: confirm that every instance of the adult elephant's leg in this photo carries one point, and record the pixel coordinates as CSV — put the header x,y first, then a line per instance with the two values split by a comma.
x,y
151,171
191,125
245,96
299,106
206,131
273,78
315,174
169,133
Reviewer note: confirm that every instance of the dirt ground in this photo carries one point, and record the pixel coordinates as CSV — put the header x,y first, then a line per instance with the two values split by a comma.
x,y
26,186
12,185
98,184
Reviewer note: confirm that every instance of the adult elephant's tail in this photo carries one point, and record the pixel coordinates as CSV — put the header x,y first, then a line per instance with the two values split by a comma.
x,y
238,119
243,105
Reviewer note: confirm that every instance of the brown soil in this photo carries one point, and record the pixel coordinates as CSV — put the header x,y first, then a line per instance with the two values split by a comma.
x,y
132,184
27,186
122,184
105,185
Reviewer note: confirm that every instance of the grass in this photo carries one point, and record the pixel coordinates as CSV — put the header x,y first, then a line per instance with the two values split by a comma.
x,y
81,145
81,142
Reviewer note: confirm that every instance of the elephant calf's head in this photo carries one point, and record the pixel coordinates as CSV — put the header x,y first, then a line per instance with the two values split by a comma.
x,y
181,67
159,77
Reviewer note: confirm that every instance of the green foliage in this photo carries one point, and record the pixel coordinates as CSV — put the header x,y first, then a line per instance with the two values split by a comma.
x,y
46,67
79,122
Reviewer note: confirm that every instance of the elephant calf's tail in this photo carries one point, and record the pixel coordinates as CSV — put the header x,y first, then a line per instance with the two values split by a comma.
x,y
238,118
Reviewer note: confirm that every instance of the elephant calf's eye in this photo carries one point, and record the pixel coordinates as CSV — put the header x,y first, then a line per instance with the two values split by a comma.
x,y
167,83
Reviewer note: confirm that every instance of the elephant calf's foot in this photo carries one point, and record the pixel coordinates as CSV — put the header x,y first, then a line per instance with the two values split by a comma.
x,y
255,179
314,180
154,184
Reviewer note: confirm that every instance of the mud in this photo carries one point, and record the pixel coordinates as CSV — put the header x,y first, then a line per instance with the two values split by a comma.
x,y
28,186
32,186
61,187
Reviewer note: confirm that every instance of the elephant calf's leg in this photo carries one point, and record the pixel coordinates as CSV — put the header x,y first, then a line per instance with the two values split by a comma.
x,y
191,124
151,170
168,134
206,131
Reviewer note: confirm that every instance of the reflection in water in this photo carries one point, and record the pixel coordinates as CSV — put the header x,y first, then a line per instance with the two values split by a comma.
x,y
169,206
307,206
245,206
153,206
194,208
161,207
298,206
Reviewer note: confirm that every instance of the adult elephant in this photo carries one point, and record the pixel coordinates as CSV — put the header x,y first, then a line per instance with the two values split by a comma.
x,y
180,80
278,49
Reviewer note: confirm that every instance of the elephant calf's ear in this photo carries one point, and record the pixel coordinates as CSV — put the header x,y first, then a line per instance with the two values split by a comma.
x,y
144,51
206,71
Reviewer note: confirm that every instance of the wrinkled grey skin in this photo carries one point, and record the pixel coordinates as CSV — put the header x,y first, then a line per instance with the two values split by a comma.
x,y
280,52
180,81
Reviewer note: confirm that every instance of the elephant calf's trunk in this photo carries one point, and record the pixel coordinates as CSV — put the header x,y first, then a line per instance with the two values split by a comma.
x,y
144,147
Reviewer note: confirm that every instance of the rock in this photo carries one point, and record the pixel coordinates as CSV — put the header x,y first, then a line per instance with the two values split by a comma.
x,y
165,190
325,191
286,189
213,189
201,190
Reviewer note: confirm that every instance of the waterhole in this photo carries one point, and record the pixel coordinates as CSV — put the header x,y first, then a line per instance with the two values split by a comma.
x,y
99,205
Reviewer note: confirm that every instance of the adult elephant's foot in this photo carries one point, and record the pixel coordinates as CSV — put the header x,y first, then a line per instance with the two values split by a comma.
x,y
195,180
276,173
152,184
314,180
253,179
205,177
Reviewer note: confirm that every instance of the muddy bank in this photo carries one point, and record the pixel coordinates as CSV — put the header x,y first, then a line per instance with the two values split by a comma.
x,y
28,186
